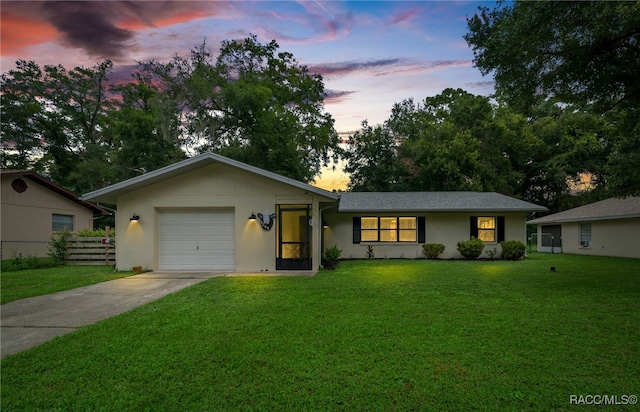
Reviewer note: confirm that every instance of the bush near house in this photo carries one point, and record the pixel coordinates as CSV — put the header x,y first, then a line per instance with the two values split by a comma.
x,y
432,250
471,249
96,233
331,257
513,249
58,246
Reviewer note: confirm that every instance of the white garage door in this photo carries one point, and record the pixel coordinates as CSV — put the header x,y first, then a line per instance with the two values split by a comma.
x,y
196,240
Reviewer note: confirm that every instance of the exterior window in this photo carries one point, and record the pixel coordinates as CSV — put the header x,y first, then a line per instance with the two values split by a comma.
x,y
585,235
62,222
369,227
407,230
388,229
487,229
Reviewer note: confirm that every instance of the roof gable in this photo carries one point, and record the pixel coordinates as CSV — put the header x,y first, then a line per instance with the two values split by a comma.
x,y
48,184
433,202
110,194
613,208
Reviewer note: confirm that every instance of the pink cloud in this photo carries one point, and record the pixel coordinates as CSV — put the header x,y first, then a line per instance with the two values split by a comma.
x,y
18,32
405,16
104,29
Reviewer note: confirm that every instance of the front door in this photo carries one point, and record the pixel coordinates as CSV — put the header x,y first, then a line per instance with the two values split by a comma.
x,y
294,237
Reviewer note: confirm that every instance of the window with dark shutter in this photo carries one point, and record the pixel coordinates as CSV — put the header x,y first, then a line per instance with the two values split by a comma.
x,y
473,227
356,230
500,228
422,231
388,229
489,229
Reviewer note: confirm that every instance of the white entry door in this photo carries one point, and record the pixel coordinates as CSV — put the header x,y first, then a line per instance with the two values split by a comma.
x,y
196,240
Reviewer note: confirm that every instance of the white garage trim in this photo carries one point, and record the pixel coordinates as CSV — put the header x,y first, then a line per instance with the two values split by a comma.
x,y
196,239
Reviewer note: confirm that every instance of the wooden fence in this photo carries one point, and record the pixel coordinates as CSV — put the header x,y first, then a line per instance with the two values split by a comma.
x,y
90,251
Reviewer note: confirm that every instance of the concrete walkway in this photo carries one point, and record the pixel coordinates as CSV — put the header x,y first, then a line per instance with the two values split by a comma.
x,y
29,322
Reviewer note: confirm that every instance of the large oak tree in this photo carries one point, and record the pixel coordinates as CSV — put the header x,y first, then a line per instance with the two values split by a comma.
x,y
252,103
583,53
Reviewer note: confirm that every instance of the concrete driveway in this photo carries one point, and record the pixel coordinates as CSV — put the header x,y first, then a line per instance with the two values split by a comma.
x,y
29,322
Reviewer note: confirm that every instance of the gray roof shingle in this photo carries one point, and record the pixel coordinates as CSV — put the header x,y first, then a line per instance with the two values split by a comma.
x,y
613,208
433,202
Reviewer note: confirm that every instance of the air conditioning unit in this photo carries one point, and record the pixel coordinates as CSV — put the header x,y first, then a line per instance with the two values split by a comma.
x,y
585,243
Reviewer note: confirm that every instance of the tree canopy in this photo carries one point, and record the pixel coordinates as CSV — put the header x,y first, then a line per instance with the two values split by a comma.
x,y
460,141
584,54
252,103
580,52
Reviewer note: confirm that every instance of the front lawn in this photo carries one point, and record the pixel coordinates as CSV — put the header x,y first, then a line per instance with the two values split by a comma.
x,y
370,336
36,282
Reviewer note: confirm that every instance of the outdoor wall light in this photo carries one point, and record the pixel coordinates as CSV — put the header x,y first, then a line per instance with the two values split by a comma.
x,y
134,218
253,216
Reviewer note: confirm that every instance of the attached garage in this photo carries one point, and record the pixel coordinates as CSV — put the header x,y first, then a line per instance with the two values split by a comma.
x,y
196,239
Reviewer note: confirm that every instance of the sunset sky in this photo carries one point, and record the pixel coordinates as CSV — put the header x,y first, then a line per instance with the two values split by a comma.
x,y
371,54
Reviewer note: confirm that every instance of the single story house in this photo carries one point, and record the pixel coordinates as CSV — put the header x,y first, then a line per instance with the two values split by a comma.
x,y
398,224
214,213
34,208
610,227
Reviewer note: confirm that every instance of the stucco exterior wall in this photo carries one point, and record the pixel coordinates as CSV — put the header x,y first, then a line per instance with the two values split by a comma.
x,y
26,222
213,186
619,238
445,228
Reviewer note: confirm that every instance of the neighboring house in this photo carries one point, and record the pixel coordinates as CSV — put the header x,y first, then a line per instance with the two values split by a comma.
x,y
213,213
610,227
34,208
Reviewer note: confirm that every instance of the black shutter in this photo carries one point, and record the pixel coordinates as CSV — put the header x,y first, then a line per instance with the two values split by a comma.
x,y
473,226
356,230
422,235
500,224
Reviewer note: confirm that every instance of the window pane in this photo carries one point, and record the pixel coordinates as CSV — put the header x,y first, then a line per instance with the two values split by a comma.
x,y
388,223
486,223
388,236
369,236
369,223
408,236
61,222
408,223
585,235
487,235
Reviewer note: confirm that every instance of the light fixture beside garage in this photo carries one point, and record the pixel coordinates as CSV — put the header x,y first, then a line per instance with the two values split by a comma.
x,y
253,216
134,218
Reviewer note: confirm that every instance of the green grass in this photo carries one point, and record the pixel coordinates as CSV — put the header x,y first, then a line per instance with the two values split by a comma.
x,y
370,336
36,282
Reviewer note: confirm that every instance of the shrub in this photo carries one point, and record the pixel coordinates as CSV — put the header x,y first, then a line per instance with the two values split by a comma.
x,y
58,246
331,257
95,233
491,253
432,250
21,262
371,252
470,249
513,249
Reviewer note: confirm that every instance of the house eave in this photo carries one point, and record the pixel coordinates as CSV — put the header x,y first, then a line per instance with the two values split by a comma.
x,y
541,221
440,210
